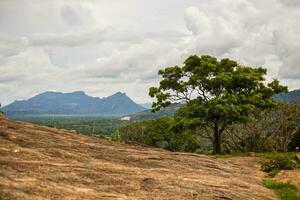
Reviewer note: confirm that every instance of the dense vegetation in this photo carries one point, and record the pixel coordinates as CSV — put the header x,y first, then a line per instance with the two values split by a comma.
x,y
275,130
160,133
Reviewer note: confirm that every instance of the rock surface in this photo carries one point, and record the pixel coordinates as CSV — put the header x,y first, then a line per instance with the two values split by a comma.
x,y
39,162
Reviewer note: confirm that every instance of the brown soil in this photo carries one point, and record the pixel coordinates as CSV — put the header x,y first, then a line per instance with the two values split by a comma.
x,y
38,162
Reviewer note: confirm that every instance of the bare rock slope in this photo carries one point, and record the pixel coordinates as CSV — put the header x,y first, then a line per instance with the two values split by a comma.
x,y
38,162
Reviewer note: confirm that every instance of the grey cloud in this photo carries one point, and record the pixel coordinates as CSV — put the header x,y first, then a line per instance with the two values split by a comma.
x,y
106,46
70,16
236,33
290,2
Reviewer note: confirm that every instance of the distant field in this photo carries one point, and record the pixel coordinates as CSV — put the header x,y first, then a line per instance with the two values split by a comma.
x,y
93,125
89,125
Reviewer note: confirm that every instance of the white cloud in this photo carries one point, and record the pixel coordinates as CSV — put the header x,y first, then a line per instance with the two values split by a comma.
x,y
249,33
106,46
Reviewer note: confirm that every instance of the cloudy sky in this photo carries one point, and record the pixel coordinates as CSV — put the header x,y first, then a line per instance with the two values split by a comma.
x,y
106,46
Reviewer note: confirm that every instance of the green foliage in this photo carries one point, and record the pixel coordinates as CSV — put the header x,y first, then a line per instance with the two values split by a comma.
x,y
134,132
160,133
277,163
217,93
114,137
285,191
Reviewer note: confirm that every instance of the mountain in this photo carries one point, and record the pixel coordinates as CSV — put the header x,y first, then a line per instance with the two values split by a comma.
x,y
292,96
148,114
75,103
146,105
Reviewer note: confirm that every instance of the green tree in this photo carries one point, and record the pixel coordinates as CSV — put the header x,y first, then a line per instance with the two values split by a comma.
x,y
216,93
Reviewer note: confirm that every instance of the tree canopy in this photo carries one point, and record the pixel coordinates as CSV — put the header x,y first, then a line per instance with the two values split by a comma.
x,y
215,93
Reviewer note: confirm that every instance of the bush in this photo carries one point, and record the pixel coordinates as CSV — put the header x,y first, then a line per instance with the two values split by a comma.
x,y
277,163
114,137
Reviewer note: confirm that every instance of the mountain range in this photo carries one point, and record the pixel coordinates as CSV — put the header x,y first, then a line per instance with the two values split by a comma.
x,y
118,104
148,114
75,103
292,96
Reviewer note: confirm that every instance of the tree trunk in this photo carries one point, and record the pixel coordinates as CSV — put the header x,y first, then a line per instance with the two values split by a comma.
x,y
217,140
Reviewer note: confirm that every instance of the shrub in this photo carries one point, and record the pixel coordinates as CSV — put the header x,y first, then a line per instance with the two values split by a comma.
x,y
114,137
277,163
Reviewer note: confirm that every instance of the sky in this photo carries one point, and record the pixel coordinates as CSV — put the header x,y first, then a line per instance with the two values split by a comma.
x,y
105,46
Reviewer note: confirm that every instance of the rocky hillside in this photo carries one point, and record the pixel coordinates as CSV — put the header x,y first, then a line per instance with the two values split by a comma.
x,y
39,162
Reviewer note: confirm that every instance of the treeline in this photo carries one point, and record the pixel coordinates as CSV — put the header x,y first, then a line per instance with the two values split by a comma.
x,y
161,133
273,130
88,125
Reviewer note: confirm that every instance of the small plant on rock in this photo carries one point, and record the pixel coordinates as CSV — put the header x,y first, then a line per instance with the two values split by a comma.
x,y
277,163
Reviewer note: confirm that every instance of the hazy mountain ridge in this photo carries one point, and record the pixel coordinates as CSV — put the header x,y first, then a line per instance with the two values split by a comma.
x,y
146,105
78,103
292,96
75,103
148,114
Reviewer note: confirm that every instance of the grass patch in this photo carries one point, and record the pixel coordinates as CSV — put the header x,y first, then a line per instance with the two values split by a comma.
x,y
285,191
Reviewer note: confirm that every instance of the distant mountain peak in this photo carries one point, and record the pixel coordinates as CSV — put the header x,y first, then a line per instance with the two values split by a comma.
x,y
119,94
74,103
